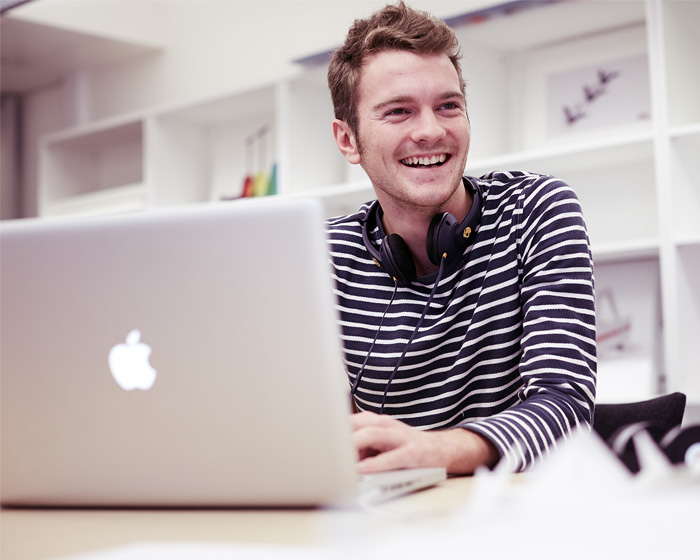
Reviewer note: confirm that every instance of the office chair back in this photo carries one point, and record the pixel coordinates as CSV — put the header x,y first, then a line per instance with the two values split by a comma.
x,y
660,414
618,424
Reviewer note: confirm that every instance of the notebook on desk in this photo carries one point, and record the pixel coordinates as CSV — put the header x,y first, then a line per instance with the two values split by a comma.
x,y
174,358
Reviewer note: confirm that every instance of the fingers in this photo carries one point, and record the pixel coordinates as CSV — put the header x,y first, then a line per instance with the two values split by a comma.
x,y
387,461
383,443
378,438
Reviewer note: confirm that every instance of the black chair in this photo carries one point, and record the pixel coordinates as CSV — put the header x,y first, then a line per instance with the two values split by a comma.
x,y
659,414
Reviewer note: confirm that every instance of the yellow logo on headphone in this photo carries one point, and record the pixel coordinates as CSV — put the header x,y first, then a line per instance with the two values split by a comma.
x,y
467,232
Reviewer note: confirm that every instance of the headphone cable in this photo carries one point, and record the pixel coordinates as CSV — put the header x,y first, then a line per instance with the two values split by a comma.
x,y
358,377
415,331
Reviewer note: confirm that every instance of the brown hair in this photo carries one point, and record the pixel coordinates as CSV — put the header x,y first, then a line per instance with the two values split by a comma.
x,y
393,27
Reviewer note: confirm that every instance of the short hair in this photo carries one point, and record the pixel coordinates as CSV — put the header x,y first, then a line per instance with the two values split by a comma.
x,y
396,27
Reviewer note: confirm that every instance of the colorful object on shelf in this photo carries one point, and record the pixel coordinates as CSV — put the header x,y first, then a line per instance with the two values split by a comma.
x,y
248,185
258,182
261,180
272,184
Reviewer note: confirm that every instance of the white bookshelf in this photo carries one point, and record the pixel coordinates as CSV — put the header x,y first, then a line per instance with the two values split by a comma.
x,y
674,43
637,179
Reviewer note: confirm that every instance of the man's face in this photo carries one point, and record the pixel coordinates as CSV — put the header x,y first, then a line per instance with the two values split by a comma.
x,y
413,130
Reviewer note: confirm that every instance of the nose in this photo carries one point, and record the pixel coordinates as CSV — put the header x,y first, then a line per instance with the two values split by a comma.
x,y
427,128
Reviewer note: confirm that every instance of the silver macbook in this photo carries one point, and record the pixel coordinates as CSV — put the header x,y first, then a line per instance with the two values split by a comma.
x,y
182,357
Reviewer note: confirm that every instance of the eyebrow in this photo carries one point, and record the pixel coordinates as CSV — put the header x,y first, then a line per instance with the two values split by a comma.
x,y
399,99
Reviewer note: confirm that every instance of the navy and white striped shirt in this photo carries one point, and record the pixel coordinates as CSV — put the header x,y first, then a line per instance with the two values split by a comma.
x,y
507,348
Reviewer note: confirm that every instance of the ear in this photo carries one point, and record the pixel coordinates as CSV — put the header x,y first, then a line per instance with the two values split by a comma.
x,y
346,141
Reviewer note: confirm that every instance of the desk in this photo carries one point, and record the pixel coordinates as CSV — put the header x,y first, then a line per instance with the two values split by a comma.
x,y
447,521
32,534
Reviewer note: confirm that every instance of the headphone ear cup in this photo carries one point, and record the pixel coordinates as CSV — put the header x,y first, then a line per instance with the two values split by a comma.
x,y
439,238
397,260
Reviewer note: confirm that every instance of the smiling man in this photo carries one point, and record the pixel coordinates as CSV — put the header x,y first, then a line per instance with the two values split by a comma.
x,y
466,304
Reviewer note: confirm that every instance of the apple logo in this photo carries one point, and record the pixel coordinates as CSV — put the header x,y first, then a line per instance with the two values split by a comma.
x,y
129,363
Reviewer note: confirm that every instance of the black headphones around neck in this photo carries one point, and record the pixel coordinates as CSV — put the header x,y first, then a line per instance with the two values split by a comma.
x,y
445,235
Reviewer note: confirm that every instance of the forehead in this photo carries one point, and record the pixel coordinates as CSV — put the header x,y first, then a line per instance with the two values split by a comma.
x,y
391,73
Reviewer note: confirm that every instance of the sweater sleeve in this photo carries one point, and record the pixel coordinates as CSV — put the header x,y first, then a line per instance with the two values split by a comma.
x,y
558,360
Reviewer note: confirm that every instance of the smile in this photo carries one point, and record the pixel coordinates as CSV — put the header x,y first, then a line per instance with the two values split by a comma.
x,y
427,161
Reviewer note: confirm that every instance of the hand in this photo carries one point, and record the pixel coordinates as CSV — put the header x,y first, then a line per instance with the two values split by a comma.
x,y
384,443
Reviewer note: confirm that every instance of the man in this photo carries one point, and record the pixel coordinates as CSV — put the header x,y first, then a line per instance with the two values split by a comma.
x,y
474,339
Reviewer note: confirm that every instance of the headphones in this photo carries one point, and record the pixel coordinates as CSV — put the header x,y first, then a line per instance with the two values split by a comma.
x,y
446,235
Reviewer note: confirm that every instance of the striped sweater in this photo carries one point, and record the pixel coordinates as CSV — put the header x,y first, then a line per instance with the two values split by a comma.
x,y
507,346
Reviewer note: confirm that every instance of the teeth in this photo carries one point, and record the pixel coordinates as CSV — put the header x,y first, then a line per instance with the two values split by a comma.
x,y
425,160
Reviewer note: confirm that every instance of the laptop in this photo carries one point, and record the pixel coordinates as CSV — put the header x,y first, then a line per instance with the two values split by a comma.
x,y
176,358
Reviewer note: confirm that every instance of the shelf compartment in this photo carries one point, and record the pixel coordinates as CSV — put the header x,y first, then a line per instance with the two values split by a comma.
x,y
201,153
76,165
684,190
629,329
681,45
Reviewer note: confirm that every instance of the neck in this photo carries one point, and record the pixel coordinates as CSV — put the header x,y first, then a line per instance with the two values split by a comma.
x,y
412,224
413,228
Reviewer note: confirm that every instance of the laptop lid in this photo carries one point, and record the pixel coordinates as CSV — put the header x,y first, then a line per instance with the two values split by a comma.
x,y
184,357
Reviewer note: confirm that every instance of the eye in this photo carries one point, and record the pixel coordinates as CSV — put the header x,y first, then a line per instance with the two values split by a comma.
x,y
451,106
396,112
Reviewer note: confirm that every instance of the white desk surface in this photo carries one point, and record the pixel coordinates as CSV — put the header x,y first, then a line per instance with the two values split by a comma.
x,y
610,518
29,534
